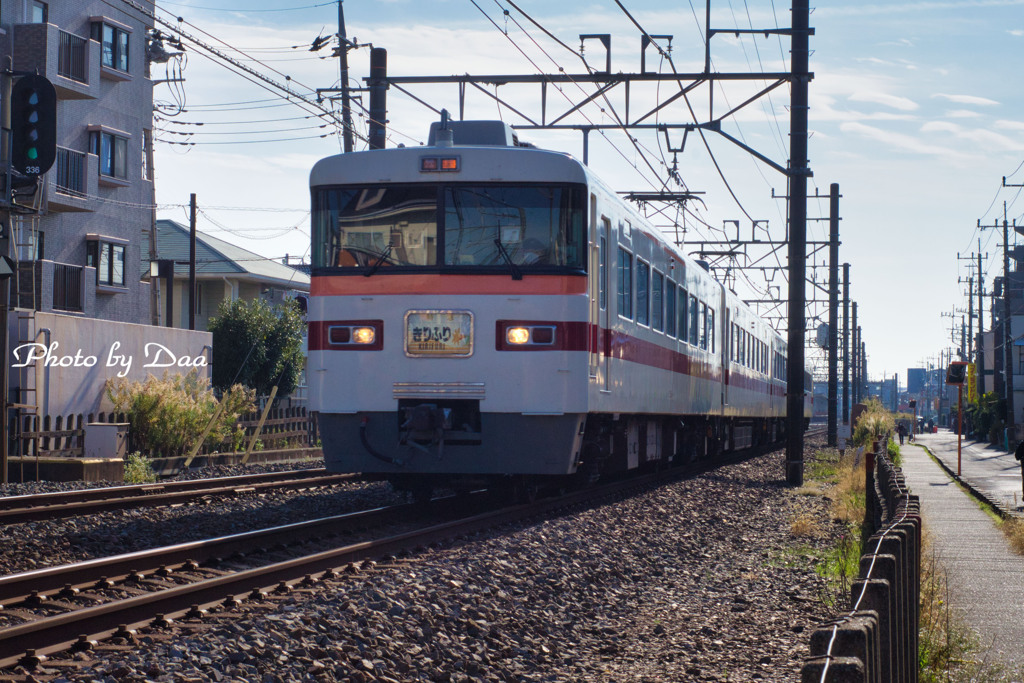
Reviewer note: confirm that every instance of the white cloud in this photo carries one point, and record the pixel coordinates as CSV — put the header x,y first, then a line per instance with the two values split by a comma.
x,y
1009,125
893,101
962,114
967,99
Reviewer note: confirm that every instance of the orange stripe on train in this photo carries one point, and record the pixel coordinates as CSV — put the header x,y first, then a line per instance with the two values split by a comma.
x,y
434,283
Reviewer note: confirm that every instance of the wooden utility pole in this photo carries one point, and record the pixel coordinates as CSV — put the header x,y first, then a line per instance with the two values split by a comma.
x,y
192,261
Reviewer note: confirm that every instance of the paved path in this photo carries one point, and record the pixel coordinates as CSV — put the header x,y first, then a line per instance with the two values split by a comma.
x,y
985,578
990,472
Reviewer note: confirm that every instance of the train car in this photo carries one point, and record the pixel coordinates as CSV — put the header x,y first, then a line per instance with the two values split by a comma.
x,y
482,310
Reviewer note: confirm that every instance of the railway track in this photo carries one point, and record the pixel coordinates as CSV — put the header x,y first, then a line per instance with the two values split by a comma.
x,y
58,504
73,606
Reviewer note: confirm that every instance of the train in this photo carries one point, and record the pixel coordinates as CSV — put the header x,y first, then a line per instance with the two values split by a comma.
x,y
484,312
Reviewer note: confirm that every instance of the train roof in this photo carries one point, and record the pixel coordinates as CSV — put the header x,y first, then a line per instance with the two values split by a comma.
x,y
486,153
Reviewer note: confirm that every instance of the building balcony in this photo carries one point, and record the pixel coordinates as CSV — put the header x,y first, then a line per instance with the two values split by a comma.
x,y
69,61
49,286
72,180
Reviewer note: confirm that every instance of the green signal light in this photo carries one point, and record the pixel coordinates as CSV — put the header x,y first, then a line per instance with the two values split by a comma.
x,y
32,153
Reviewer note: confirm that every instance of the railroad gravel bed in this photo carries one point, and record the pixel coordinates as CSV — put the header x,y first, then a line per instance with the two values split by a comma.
x,y
31,545
696,581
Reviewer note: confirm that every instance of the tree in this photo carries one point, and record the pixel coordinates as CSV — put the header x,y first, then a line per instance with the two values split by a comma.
x,y
257,346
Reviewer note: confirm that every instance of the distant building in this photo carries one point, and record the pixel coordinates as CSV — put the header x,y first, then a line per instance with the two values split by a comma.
x,y
224,272
915,380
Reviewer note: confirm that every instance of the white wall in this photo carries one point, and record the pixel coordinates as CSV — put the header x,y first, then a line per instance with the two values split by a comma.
x,y
70,359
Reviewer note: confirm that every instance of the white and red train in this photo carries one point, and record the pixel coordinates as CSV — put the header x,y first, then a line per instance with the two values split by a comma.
x,y
485,310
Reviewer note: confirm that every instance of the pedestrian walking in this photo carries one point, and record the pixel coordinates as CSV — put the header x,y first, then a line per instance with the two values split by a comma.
x,y
901,429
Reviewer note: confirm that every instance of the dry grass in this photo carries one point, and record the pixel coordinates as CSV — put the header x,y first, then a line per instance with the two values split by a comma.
x,y
1014,530
848,501
805,525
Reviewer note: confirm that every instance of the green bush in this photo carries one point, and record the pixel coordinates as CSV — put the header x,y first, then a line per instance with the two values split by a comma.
x,y
138,469
167,416
257,346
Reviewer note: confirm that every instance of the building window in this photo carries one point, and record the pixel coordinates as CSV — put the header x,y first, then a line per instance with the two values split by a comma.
x,y
113,153
113,46
108,260
38,12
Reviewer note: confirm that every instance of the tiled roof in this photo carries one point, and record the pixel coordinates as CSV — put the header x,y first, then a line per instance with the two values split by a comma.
x,y
217,257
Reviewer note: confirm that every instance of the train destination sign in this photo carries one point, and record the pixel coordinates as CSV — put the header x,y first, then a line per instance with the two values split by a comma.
x,y
439,333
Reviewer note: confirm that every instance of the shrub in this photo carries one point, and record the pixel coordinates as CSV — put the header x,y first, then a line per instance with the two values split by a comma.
x,y
138,469
873,423
257,346
167,416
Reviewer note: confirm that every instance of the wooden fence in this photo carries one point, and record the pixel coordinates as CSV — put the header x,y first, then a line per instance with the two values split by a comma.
x,y
64,436
876,640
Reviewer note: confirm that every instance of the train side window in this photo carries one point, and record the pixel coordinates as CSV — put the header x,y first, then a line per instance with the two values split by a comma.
x,y
643,303
602,265
683,313
695,326
670,309
657,301
711,329
703,326
625,284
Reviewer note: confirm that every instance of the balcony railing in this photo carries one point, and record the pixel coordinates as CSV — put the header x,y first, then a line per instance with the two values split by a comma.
x,y
67,287
71,57
71,176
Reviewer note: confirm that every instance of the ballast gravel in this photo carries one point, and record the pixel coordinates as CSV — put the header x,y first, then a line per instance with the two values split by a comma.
x,y
700,580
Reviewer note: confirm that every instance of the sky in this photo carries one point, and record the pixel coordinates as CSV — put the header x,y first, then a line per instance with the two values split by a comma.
x,y
916,112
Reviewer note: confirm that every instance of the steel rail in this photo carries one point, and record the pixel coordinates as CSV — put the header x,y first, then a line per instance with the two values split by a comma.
x,y
68,504
57,633
38,583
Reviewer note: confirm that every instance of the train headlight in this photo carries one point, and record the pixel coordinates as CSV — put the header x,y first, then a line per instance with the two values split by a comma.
x,y
517,335
364,335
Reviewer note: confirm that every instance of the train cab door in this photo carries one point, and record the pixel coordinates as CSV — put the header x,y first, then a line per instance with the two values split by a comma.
x,y
600,360
727,342
604,329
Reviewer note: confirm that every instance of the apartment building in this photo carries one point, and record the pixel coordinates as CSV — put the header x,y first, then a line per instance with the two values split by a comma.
x,y
77,236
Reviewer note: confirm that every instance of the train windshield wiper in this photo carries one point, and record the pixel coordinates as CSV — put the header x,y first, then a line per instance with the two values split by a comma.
x,y
512,268
380,260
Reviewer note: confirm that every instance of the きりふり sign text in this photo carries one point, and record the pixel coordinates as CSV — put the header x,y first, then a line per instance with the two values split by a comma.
x,y
156,356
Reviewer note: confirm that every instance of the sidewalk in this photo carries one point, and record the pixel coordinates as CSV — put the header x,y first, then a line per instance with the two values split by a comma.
x,y
985,578
990,472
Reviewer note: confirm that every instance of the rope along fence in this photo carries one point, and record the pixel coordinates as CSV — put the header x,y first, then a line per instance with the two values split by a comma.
x,y
876,641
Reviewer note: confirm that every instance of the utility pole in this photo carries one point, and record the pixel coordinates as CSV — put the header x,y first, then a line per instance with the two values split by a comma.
x,y
833,316
191,262
346,109
846,343
981,326
797,173
856,355
1007,331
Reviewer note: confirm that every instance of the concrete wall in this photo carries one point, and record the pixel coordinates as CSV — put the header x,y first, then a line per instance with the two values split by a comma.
x,y
71,359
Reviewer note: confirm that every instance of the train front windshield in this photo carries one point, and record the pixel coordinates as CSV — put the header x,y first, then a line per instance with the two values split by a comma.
x,y
444,227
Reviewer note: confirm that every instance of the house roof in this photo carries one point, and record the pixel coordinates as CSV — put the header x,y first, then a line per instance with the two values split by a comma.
x,y
217,257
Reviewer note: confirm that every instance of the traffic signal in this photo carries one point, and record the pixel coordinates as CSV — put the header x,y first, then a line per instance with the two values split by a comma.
x,y
33,125
956,373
